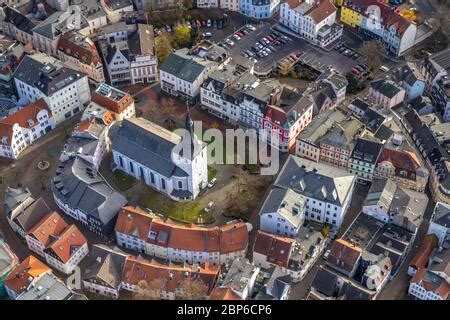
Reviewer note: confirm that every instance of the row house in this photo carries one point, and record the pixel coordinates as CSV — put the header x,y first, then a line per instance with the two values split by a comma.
x,y
231,5
410,78
363,159
129,53
436,156
21,129
240,277
82,193
184,71
440,224
103,274
79,52
16,25
152,280
403,167
25,275
435,70
64,90
118,103
295,256
259,9
11,53
146,233
313,20
379,21
386,93
327,191
62,246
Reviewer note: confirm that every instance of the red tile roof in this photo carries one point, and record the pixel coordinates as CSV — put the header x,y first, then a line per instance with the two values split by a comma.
x,y
112,105
344,255
399,159
422,256
84,50
22,275
138,270
51,225
224,294
443,289
70,240
276,248
321,10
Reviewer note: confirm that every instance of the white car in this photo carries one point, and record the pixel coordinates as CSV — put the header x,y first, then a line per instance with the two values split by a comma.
x,y
207,34
236,37
212,183
326,254
249,26
209,206
231,43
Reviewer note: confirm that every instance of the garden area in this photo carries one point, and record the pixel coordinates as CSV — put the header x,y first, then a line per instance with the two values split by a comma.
x,y
123,181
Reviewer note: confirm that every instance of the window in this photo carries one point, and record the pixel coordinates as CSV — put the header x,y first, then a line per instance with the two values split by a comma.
x,y
163,183
152,177
180,185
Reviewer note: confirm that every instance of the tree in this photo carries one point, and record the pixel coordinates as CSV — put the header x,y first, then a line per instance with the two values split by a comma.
x,y
188,4
193,289
373,50
182,36
195,35
163,47
149,290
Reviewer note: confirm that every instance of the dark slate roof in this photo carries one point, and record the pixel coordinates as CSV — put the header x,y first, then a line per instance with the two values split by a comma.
x,y
325,282
366,150
47,78
118,4
387,88
360,104
33,214
16,18
315,180
105,264
442,214
185,69
372,119
278,282
80,186
150,147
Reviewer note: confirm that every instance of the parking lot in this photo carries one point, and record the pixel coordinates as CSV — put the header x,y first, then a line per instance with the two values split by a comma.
x,y
310,55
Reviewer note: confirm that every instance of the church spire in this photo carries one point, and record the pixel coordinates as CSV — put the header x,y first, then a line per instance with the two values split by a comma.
x,y
189,126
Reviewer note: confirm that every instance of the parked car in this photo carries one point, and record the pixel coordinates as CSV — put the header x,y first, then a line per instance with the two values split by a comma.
x,y
203,23
209,23
235,36
271,47
355,55
269,38
207,35
283,41
168,28
293,56
220,24
229,42
212,183
244,31
249,26
215,24
209,206
356,71
326,254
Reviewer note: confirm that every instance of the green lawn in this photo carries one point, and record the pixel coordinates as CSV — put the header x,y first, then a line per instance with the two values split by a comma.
x,y
212,173
123,181
188,212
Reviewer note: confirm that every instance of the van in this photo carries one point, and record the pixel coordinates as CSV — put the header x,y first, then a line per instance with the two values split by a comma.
x,y
384,69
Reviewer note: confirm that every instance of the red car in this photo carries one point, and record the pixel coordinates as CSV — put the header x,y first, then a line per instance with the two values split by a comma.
x,y
293,56
203,23
240,34
269,38
356,71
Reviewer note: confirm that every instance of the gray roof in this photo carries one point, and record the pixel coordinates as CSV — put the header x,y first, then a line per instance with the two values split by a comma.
x,y
239,274
148,144
284,201
360,104
32,214
105,265
366,150
47,78
15,196
386,87
118,4
442,214
6,258
185,69
315,180
319,126
409,74
48,287
16,18
80,186
278,283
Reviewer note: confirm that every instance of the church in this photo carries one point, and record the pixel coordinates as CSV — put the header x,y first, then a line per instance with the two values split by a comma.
x,y
173,164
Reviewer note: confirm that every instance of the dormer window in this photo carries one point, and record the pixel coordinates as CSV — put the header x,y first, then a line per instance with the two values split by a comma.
x,y
4,140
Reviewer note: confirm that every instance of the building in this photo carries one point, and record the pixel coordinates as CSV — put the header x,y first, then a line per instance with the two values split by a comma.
x,y
79,52
434,152
11,53
116,101
422,258
168,282
103,274
146,233
169,163
63,246
129,53
386,93
16,25
294,256
377,20
363,159
410,78
64,90
231,5
344,257
259,9
59,5
403,168
49,287
327,191
313,20
24,275
240,277
276,285
358,107
88,141
440,224
206,4
46,34
22,128
283,212
184,71
15,201
114,8
81,192
391,204
8,262
224,294
436,69
432,283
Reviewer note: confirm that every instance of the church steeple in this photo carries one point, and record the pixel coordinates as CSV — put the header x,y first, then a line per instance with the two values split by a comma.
x,y
189,126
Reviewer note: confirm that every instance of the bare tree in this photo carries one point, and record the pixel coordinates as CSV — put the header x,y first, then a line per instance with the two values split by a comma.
x,y
193,289
149,290
373,51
